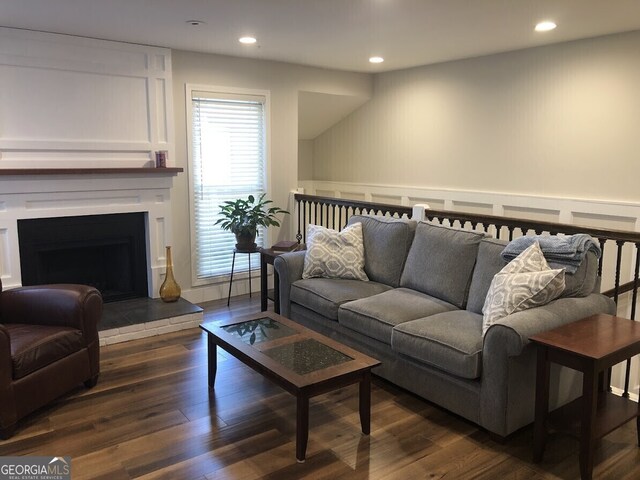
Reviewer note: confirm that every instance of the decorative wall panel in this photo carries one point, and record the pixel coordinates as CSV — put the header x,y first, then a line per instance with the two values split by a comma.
x,y
74,102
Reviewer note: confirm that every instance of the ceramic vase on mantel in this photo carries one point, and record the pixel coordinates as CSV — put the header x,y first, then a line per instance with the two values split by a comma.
x,y
169,290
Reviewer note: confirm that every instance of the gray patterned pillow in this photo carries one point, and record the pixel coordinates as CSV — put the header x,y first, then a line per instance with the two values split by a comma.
x,y
332,254
525,282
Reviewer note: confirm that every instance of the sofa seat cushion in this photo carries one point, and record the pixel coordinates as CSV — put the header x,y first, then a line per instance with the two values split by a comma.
x,y
440,262
36,346
325,295
450,341
376,316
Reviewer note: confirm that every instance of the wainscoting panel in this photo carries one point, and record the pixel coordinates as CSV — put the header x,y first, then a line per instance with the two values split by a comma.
x,y
79,102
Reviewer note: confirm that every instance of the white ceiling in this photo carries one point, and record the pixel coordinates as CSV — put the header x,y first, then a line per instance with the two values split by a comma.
x,y
340,34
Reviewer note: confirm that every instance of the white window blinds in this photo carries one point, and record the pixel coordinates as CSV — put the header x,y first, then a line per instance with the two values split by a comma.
x,y
228,161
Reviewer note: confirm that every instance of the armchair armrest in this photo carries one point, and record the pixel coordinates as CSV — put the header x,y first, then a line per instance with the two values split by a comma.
x,y
289,267
77,306
5,358
7,401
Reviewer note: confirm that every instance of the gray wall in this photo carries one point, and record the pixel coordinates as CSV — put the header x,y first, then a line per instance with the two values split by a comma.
x,y
560,120
305,159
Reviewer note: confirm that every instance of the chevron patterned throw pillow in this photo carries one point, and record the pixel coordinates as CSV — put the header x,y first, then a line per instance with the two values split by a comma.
x,y
525,282
332,254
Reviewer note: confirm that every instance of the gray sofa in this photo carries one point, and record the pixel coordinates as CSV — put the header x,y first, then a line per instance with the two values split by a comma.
x,y
421,316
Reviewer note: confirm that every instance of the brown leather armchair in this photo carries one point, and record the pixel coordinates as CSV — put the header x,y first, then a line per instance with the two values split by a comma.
x,y
48,345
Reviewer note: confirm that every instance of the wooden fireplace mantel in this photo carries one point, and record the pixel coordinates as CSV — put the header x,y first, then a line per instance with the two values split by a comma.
x,y
90,171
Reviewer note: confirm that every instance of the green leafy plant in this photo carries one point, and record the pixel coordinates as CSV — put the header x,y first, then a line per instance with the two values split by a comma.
x,y
243,217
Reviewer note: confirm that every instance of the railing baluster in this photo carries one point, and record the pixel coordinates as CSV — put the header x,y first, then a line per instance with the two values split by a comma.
x,y
315,212
616,287
333,220
602,242
616,290
299,234
636,281
634,300
304,230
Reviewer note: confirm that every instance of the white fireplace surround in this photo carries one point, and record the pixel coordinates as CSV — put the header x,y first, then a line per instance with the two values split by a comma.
x,y
65,195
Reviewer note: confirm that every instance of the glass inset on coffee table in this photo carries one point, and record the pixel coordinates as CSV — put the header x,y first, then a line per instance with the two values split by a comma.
x,y
259,330
296,358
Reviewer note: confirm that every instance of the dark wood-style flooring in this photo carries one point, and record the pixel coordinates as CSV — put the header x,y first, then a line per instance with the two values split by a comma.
x,y
151,416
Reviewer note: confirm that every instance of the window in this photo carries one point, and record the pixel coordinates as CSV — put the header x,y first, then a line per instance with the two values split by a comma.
x,y
227,162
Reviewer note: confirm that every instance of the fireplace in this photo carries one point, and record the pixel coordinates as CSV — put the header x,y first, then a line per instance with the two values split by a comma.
x,y
105,251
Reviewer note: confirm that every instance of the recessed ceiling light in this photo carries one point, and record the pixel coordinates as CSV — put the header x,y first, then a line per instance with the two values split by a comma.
x,y
376,59
247,40
195,23
545,26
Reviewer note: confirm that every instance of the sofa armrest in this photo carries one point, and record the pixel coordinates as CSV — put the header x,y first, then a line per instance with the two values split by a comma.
x,y
522,325
77,306
507,389
289,267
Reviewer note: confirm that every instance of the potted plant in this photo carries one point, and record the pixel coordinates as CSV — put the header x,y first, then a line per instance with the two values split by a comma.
x,y
243,217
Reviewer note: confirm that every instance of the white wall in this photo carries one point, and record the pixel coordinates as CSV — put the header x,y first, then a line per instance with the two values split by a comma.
x,y
283,81
560,120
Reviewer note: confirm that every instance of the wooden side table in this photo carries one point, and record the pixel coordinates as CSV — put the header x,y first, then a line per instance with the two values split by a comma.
x,y
267,257
590,345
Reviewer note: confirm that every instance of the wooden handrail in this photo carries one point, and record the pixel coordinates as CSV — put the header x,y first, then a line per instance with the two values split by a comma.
x,y
474,218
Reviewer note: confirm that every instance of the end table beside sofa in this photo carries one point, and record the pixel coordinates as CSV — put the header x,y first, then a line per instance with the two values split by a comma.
x,y
591,346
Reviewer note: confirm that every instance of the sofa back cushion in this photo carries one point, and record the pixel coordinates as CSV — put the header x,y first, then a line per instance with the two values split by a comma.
x,y
386,245
440,262
489,263
585,281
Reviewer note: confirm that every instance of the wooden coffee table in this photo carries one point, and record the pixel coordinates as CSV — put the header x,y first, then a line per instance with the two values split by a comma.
x,y
299,360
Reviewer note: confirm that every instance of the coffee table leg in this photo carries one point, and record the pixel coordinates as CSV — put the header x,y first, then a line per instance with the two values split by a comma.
x,y
365,403
302,427
212,360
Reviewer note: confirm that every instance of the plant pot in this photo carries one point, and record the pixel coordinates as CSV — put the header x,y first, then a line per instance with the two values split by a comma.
x,y
246,241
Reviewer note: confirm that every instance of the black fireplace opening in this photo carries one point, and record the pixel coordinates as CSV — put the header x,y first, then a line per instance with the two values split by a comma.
x,y
105,251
